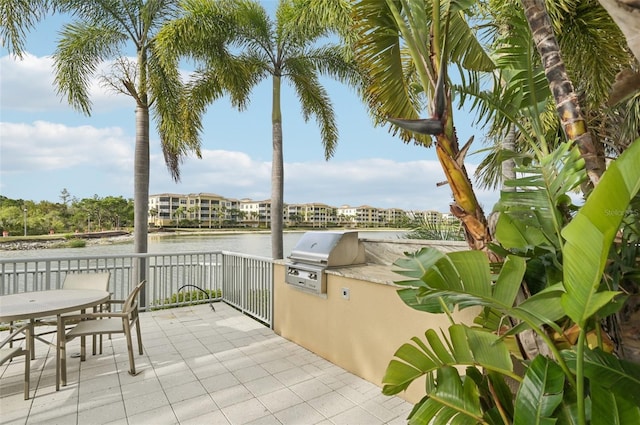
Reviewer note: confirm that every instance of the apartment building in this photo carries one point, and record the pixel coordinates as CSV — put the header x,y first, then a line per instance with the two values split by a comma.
x,y
255,213
212,211
208,209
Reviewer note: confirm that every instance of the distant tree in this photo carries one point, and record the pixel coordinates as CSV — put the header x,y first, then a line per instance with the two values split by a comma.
x,y
65,196
193,213
178,214
153,212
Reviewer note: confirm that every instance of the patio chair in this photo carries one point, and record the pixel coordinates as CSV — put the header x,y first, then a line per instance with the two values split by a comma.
x,y
93,280
11,352
105,323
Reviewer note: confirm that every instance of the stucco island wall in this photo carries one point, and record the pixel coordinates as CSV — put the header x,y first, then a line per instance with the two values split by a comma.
x,y
361,333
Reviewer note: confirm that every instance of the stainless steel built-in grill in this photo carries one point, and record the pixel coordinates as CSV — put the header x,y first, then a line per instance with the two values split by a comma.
x,y
315,252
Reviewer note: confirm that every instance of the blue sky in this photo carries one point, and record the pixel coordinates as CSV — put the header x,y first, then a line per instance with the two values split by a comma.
x,y
45,146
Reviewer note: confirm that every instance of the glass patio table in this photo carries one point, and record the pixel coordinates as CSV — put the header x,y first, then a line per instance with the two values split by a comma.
x,y
34,305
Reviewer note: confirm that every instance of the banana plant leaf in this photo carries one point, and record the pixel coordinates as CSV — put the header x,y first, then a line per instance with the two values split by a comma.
x,y
464,279
459,279
610,408
530,217
605,370
495,394
454,401
465,347
590,235
540,393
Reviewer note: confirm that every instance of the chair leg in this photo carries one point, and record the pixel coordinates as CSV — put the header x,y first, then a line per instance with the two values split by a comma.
x,y
27,362
63,361
59,338
83,348
27,372
31,343
127,331
137,324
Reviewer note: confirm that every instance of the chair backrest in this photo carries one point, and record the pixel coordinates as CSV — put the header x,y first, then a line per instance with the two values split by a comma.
x,y
131,303
97,280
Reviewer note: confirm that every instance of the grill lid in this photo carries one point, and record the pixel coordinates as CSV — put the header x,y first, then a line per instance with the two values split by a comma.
x,y
329,249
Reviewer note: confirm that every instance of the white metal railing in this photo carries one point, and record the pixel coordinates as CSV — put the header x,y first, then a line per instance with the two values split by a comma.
x,y
243,281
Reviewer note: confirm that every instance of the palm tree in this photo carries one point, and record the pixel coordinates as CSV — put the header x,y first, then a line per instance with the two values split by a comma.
x,y
582,29
280,49
179,213
567,103
102,31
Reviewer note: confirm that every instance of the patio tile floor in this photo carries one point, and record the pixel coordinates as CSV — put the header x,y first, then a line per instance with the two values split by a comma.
x,y
198,367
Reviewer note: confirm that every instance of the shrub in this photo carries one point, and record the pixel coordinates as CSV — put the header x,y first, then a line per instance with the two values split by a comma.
x,y
77,243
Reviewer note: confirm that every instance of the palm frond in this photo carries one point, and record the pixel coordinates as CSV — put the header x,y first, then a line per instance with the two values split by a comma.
x,y
464,45
19,17
178,122
333,16
586,30
254,27
199,33
314,100
329,60
79,52
379,52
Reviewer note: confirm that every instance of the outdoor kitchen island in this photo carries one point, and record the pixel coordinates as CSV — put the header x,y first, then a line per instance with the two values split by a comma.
x,y
358,321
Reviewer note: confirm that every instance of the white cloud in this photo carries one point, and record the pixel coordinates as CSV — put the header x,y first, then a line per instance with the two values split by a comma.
x,y
27,85
38,160
45,146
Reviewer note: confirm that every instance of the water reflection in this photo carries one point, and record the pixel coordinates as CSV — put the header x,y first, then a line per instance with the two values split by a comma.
x,y
245,243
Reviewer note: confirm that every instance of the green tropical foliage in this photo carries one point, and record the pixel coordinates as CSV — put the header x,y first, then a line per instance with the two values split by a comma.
x,y
436,230
564,386
583,29
404,49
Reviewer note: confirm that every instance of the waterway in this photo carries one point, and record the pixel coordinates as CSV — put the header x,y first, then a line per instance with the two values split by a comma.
x,y
244,243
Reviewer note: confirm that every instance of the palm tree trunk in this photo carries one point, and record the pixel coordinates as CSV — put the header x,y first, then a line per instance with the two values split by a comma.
x,y
277,175
141,189
141,177
567,105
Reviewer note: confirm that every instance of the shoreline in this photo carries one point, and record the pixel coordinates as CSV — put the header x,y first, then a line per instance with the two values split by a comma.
x,y
20,243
